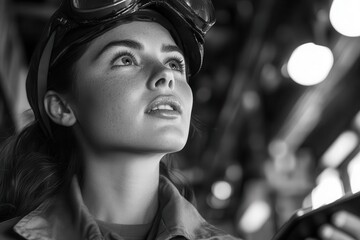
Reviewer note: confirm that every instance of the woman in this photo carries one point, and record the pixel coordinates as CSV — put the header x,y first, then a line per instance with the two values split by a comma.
x,y
109,89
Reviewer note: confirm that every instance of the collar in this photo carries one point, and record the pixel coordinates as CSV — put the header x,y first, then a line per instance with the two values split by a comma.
x,y
65,217
179,217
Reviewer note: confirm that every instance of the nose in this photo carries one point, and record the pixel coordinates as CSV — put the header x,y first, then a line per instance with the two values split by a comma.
x,y
161,78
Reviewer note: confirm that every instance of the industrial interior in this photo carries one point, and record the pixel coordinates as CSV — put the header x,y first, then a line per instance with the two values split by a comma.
x,y
263,142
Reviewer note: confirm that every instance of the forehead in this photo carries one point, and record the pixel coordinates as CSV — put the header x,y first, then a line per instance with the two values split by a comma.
x,y
149,33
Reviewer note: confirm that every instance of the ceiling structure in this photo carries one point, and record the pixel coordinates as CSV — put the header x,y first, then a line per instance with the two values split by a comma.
x,y
245,103
301,116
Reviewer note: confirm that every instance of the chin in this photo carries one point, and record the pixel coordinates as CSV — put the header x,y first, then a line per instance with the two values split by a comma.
x,y
170,141
172,148
176,149
168,146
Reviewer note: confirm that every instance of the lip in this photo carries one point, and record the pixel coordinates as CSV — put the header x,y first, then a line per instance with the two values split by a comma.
x,y
165,100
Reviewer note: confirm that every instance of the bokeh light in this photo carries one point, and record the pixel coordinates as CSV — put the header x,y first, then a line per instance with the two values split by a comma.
x,y
221,190
310,64
345,17
340,149
329,188
255,216
353,170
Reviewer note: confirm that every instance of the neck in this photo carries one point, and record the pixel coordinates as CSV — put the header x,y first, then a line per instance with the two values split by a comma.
x,y
121,188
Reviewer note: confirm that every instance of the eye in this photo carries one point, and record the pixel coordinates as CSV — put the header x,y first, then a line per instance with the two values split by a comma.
x,y
124,59
176,64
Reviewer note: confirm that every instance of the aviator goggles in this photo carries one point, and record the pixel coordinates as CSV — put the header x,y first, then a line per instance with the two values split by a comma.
x,y
197,13
79,21
194,16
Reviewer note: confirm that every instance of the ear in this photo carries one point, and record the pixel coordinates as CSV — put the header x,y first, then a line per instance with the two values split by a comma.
x,y
58,110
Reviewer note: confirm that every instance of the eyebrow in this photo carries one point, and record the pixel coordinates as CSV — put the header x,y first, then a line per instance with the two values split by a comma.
x,y
167,48
171,48
125,43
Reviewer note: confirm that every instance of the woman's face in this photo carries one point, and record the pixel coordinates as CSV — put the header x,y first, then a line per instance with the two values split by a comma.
x,y
132,91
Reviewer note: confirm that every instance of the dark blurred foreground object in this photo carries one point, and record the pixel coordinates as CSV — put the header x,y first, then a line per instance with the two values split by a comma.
x,y
305,223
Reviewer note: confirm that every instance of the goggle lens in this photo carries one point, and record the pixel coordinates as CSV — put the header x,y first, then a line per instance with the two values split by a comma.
x,y
203,9
201,12
84,5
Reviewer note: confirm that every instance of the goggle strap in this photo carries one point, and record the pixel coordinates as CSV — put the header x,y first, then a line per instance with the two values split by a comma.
x,y
42,83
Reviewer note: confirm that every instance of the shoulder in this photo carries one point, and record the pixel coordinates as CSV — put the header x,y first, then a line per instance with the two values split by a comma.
x,y
6,230
210,232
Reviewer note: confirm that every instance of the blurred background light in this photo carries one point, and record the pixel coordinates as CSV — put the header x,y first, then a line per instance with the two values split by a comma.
x,y
340,149
203,94
234,172
278,148
284,71
251,100
216,203
357,121
310,64
270,77
353,170
221,190
328,189
345,17
255,216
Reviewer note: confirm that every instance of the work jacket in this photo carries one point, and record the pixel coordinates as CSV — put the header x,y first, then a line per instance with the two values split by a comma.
x,y
65,217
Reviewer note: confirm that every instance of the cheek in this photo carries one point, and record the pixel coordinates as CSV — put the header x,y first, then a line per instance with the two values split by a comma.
x,y
97,97
101,109
186,95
